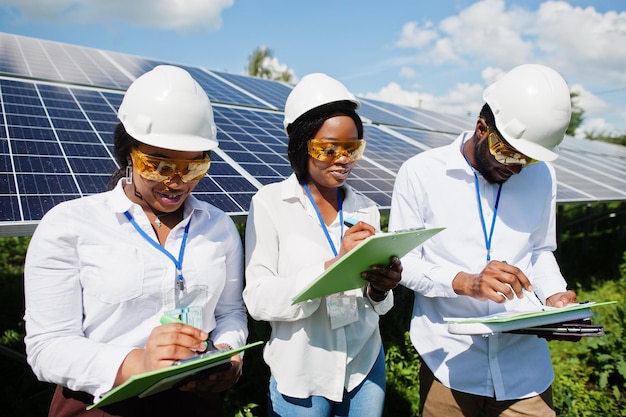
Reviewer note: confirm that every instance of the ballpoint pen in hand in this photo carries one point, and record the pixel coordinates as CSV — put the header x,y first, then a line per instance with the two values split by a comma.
x,y
532,297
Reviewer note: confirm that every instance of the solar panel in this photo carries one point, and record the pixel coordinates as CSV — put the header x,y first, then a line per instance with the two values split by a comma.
x,y
393,114
58,107
273,93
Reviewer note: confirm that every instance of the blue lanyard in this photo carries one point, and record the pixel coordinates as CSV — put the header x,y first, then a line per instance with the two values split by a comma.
x,y
321,219
480,208
178,263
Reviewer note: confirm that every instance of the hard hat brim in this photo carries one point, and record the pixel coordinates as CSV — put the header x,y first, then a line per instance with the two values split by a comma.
x,y
176,142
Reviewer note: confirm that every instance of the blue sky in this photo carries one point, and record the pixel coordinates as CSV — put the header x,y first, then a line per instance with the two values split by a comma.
x,y
439,55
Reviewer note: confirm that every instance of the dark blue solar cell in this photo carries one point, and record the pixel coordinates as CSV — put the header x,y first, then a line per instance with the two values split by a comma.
x,y
242,157
243,199
40,164
35,206
273,92
27,121
278,148
46,184
72,124
235,184
383,200
273,158
7,184
105,129
19,132
18,91
207,185
221,92
25,109
92,184
268,180
65,113
430,139
411,117
86,151
379,115
9,208
283,170
221,201
260,148
92,166
220,169
80,136
260,170
33,147
229,145
114,99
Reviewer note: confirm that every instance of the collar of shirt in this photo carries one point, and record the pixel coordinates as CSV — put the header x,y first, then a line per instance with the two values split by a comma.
x,y
292,192
457,162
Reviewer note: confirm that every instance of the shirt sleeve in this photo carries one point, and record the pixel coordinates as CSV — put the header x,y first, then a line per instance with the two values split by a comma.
x,y
267,294
546,274
230,313
383,306
419,275
56,346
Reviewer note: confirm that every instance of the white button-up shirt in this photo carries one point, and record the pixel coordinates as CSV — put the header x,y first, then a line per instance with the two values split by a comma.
x,y
436,189
95,288
285,251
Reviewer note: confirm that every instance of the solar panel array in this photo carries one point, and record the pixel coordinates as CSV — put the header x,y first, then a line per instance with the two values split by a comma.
x,y
58,104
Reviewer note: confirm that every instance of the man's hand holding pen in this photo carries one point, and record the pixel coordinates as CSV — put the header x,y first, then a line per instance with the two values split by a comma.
x,y
500,282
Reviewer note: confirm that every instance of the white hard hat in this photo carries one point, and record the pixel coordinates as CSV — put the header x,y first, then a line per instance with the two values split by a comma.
x,y
532,109
167,108
315,90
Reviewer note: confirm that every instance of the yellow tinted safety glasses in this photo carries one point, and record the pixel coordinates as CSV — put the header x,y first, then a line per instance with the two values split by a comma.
x,y
326,150
155,168
505,153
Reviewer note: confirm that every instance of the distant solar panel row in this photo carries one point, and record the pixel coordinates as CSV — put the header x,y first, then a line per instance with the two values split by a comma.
x,y
59,106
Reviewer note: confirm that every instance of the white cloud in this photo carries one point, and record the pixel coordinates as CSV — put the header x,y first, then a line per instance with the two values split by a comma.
x,y
463,100
595,127
490,75
490,36
416,37
407,72
276,68
589,102
484,31
589,43
179,15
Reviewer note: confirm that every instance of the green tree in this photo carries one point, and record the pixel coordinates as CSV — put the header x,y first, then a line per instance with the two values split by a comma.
x,y
263,64
577,119
577,115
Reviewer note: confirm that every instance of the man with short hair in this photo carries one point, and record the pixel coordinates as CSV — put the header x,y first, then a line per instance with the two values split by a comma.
x,y
496,195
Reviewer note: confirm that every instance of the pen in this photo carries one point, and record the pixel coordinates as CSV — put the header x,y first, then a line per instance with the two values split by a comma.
x,y
349,222
532,297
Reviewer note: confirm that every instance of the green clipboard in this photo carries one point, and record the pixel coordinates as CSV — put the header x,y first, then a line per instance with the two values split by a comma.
x,y
144,385
507,321
345,274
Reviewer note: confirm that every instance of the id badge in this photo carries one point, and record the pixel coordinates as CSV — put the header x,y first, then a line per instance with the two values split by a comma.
x,y
188,315
342,309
